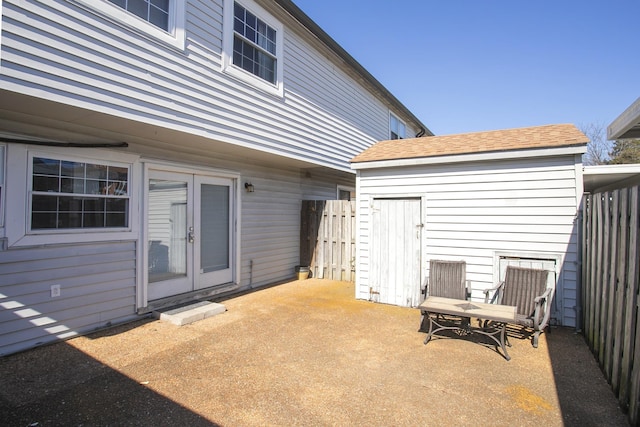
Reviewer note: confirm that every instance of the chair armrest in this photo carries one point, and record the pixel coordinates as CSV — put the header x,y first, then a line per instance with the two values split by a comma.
x,y
496,296
425,286
540,301
543,297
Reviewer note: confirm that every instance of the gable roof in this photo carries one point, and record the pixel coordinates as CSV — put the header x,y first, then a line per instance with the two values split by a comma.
x,y
550,136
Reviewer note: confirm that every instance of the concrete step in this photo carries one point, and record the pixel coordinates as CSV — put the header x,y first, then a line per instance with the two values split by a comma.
x,y
190,313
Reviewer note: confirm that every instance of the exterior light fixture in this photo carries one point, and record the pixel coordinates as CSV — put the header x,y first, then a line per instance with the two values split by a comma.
x,y
249,187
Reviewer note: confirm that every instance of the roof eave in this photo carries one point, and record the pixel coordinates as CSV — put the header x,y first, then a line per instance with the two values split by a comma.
x,y
472,157
318,32
627,124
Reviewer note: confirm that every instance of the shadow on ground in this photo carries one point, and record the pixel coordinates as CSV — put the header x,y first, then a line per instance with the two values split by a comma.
x,y
59,385
303,353
585,396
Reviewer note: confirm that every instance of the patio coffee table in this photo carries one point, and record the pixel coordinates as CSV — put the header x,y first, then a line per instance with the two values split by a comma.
x,y
462,311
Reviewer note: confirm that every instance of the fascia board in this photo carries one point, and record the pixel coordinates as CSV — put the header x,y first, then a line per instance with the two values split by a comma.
x,y
624,122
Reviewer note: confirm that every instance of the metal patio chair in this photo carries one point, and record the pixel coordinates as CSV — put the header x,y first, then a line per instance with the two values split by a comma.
x,y
526,288
447,279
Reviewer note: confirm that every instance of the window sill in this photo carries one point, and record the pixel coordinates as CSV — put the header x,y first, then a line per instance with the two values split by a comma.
x,y
253,81
69,238
175,38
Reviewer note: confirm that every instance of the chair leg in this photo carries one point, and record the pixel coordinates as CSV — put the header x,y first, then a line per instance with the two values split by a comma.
x,y
423,319
536,335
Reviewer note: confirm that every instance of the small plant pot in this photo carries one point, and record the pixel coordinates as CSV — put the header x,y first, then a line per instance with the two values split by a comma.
x,y
302,272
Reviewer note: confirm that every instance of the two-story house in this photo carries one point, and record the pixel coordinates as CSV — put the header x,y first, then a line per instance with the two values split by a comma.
x,y
157,151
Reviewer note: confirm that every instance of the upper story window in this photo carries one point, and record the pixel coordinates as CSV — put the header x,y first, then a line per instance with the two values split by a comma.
x,y
253,42
70,194
155,12
397,128
162,20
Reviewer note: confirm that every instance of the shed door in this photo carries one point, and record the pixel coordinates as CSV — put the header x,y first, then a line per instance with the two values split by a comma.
x,y
395,251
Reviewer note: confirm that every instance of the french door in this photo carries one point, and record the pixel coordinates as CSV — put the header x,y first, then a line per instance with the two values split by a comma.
x,y
189,232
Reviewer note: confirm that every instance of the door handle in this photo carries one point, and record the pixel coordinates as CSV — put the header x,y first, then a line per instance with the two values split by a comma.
x,y
191,237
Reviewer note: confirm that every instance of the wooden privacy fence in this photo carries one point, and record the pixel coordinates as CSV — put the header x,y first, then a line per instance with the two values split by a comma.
x,y
327,239
610,290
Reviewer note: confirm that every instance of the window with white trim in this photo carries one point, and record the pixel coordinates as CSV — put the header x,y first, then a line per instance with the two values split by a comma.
x,y
67,194
346,193
253,42
163,20
155,12
397,128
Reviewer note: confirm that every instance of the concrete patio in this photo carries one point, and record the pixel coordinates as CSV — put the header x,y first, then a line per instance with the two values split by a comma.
x,y
303,353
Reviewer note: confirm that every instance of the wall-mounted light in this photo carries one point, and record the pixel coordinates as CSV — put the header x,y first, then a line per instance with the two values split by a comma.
x,y
249,187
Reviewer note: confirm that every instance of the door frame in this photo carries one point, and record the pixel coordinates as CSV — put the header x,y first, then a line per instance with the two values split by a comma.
x,y
421,227
142,302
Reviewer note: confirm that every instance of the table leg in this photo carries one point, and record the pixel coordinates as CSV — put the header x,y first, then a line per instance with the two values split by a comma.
x,y
497,333
463,327
503,332
494,330
430,331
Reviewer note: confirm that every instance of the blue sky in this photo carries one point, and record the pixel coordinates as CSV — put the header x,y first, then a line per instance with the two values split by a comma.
x,y
473,65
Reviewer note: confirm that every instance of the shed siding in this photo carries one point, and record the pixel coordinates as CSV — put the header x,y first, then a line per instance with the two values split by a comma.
x,y
97,284
475,211
66,53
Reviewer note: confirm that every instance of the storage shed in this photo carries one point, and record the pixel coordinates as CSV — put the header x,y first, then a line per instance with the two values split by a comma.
x,y
488,198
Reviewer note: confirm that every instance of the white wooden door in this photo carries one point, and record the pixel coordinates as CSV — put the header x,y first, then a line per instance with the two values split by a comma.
x,y
190,233
395,251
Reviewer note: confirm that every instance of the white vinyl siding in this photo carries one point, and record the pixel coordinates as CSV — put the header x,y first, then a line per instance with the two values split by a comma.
x,y
97,289
83,75
473,211
326,116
